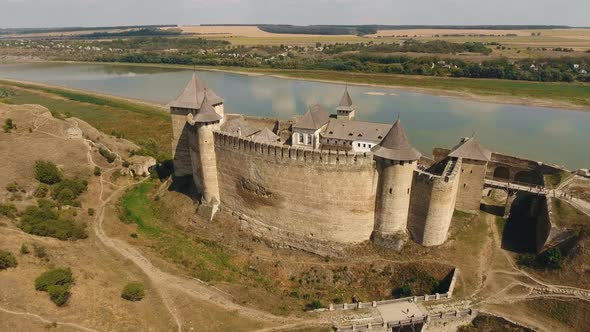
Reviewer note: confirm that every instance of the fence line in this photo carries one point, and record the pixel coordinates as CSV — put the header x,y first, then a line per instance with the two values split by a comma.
x,y
408,322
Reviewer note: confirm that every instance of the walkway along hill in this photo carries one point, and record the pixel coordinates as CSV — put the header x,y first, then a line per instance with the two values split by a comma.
x,y
331,181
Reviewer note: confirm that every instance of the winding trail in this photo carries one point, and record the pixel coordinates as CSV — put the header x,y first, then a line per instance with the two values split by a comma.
x,y
45,320
165,282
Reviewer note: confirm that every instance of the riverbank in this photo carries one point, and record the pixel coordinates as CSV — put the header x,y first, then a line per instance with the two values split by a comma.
x,y
570,96
146,124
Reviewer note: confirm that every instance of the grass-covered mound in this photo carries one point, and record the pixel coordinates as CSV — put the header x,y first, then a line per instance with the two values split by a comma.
x,y
57,282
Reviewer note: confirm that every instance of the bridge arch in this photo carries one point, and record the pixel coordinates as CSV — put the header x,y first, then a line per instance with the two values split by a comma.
x,y
502,172
531,177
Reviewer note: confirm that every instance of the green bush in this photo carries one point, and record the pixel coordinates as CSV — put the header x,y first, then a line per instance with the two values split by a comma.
x,y
57,276
133,291
12,187
552,258
108,155
316,304
7,260
57,283
24,250
8,125
40,251
59,294
45,221
47,172
41,191
8,210
91,212
97,171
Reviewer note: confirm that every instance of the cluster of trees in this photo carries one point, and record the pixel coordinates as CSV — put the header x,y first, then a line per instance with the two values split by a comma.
x,y
64,191
57,283
549,259
546,70
321,29
133,33
162,43
46,220
435,46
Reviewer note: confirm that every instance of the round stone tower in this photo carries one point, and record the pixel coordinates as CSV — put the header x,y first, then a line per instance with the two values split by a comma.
x,y
189,101
396,161
203,159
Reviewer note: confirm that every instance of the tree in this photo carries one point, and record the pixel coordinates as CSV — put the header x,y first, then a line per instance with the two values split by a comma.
x,y
47,172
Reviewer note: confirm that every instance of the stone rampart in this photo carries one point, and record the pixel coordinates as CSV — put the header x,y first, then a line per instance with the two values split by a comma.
x,y
432,204
310,195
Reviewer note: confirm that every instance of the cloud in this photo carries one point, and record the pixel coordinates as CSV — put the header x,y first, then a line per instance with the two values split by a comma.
x,y
40,13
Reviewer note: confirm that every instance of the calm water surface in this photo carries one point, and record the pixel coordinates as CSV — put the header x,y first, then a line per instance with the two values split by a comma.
x,y
550,135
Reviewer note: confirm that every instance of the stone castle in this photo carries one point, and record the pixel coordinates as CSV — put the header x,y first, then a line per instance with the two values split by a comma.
x,y
329,182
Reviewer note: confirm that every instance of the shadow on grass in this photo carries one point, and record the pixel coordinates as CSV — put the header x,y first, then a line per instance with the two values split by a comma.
x,y
519,233
496,210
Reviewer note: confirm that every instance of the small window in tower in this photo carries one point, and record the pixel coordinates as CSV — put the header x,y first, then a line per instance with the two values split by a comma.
x,y
471,172
300,138
359,144
401,163
331,132
380,137
390,190
364,145
464,185
408,191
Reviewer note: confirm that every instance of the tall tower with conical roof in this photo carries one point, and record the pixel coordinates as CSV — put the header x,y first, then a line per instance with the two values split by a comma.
x,y
396,162
345,109
189,101
202,123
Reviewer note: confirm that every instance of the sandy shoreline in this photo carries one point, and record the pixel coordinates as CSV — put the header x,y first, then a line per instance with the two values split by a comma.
x,y
462,95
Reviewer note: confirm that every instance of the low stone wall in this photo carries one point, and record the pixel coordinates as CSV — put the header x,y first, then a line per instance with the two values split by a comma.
x,y
324,196
389,326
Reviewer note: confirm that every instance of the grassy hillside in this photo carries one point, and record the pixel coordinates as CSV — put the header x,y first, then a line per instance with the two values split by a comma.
x,y
148,126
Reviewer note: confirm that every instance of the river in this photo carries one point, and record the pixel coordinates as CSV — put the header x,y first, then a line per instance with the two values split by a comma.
x,y
551,135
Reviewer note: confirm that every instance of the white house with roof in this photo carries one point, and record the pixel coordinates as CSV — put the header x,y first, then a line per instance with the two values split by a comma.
x,y
306,132
358,136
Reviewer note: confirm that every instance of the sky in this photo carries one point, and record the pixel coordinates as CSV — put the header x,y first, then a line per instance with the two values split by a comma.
x,y
59,13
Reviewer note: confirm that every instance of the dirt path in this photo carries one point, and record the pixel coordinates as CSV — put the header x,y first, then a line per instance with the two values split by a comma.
x,y
164,282
508,284
46,321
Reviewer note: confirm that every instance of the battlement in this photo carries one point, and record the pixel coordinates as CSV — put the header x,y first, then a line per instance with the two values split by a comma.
x,y
286,153
448,174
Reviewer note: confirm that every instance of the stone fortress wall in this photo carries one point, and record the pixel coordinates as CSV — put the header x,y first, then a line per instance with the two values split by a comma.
x,y
432,204
325,196
321,199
